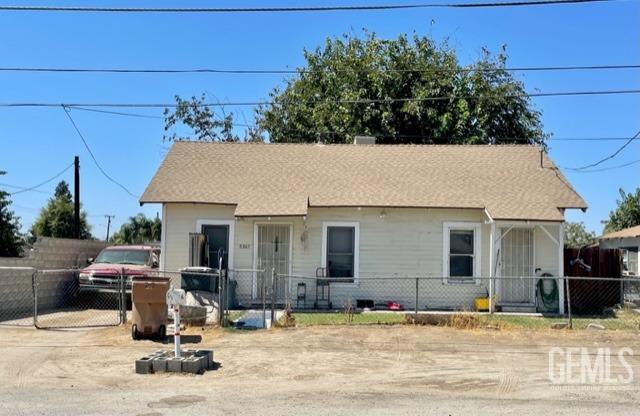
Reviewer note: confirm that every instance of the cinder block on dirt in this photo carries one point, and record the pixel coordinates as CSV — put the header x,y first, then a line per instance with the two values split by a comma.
x,y
194,364
144,366
159,364
174,365
208,354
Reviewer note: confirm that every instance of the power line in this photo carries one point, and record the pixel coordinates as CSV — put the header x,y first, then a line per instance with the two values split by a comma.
x,y
354,101
22,187
34,187
67,111
76,9
138,115
614,154
557,139
310,71
624,165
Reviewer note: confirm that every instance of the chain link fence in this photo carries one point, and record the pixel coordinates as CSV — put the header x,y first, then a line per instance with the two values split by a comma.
x,y
66,298
61,298
533,295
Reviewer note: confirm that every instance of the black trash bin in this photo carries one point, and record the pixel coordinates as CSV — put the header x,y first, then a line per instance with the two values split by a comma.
x,y
199,278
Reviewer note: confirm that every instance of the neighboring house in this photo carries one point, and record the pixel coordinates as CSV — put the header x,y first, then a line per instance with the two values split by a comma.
x,y
629,241
370,210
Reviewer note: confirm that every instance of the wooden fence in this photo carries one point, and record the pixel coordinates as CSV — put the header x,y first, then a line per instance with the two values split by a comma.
x,y
593,296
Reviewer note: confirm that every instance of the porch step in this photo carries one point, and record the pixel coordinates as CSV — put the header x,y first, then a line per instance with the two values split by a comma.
x,y
518,308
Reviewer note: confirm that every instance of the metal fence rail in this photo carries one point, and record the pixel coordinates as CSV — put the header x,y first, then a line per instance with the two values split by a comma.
x,y
56,299
61,302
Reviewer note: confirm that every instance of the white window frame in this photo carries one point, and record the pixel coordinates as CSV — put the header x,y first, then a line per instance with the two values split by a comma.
x,y
476,227
356,247
231,224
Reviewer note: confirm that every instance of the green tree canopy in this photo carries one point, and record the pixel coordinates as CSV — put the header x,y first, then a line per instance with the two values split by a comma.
x,y
56,218
137,230
626,214
10,239
576,235
416,92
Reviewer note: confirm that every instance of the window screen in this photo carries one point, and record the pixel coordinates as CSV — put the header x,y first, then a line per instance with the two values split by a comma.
x,y
461,254
340,251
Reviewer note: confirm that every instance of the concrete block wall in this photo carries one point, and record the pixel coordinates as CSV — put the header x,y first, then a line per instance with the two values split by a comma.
x,y
16,292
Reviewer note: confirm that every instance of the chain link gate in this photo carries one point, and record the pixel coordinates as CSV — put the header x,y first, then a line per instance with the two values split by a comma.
x,y
61,302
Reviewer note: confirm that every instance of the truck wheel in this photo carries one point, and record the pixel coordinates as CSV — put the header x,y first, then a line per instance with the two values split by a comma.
x,y
134,332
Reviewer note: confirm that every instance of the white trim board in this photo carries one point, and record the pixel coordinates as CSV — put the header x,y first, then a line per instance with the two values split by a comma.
x,y
356,247
231,224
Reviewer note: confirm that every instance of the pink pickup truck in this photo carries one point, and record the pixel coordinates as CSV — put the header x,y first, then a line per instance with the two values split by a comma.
x,y
104,272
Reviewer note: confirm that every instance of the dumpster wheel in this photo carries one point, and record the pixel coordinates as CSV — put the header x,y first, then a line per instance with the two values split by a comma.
x,y
162,332
134,332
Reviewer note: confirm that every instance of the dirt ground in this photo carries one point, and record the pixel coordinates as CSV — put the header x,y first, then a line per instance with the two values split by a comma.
x,y
372,370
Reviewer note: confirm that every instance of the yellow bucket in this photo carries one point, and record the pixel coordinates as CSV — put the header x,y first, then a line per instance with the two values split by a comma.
x,y
482,304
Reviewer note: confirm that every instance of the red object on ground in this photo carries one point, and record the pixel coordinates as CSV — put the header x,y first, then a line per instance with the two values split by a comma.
x,y
395,306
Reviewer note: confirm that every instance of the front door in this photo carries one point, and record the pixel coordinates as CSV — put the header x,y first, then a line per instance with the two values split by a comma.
x,y
273,253
517,267
217,242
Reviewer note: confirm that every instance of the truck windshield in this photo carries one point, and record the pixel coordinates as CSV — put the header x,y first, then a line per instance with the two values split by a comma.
x,y
138,257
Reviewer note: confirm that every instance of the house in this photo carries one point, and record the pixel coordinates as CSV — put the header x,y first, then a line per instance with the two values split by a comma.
x,y
629,241
359,211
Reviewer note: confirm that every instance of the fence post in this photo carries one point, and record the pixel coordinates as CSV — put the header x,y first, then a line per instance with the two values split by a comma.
x,y
123,297
416,308
264,300
274,290
34,284
491,290
568,295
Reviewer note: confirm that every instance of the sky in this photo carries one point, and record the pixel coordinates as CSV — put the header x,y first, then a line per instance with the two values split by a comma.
x,y
37,143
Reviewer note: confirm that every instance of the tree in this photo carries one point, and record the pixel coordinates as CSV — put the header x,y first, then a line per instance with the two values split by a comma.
x,y
196,115
576,235
481,103
10,239
56,218
139,229
626,214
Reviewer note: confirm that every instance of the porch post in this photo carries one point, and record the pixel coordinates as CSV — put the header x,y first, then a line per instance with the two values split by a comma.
x,y
492,272
561,283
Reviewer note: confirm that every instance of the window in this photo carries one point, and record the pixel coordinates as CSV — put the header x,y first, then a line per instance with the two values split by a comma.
x,y
340,250
461,261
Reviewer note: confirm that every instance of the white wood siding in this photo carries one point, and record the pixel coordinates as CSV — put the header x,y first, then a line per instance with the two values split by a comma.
x,y
393,242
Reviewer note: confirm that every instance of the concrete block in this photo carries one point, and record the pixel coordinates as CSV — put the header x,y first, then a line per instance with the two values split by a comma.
x,y
174,365
208,354
144,366
159,364
194,364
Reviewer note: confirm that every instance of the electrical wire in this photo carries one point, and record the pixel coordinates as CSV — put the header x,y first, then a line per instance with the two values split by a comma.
x,y
67,111
138,115
34,187
624,165
310,102
611,156
76,9
22,187
309,71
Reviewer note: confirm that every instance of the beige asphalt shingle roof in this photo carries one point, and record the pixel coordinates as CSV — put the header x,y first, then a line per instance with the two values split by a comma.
x,y
285,179
631,232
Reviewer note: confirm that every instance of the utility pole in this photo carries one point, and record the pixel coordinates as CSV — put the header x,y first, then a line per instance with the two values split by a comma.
x,y
108,217
76,198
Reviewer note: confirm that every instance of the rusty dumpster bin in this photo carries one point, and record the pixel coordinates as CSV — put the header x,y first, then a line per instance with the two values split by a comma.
x,y
149,307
